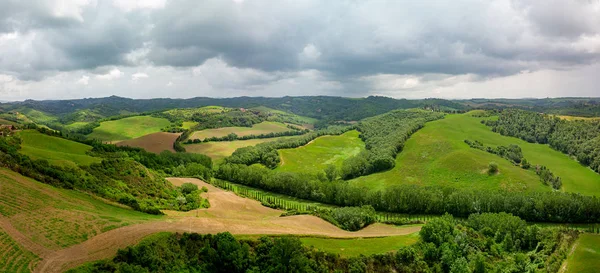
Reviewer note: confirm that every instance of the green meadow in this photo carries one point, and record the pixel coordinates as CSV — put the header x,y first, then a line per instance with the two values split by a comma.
x,y
56,150
128,128
321,152
220,149
436,155
360,246
585,258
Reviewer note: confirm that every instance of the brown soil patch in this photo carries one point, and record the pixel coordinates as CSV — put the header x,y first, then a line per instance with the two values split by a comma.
x,y
228,212
155,143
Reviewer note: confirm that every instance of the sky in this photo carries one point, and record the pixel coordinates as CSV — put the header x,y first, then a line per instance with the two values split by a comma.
x,y
65,49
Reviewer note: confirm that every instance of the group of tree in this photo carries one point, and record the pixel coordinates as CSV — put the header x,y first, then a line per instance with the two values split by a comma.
x,y
579,138
130,176
234,136
482,243
532,206
384,138
514,154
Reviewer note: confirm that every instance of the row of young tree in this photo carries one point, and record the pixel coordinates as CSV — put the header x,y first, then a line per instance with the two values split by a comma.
x,y
482,243
384,138
532,206
579,138
234,136
266,153
514,154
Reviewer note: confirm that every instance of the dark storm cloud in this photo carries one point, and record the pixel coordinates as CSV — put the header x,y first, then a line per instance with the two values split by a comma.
x,y
342,39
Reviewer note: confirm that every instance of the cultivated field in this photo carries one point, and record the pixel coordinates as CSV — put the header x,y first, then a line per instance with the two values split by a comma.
x,y
361,246
128,128
14,258
257,129
585,256
437,155
7,122
155,143
321,152
221,149
54,149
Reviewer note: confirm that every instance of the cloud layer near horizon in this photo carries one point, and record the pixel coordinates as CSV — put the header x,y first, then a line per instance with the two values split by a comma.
x,y
405,49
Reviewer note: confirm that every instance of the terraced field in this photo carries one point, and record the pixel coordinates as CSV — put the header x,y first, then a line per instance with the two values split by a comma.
x,y
321,152
437,155
128,128
257,129
54,149
221,149
14,258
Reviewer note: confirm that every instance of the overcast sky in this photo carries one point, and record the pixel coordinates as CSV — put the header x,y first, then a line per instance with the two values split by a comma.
x,y
57,49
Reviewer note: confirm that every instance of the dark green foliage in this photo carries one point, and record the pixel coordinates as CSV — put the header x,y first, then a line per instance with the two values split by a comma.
x,y
580,139
483,243
493,168
348,218
384,138
233,136
187,188
531,206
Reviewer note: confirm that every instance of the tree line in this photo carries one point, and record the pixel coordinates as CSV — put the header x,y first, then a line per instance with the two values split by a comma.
x,y
384,138
481,243
234,136
532,206
579,138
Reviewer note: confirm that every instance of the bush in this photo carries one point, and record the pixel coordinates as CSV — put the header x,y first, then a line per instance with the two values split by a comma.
x,y
493,168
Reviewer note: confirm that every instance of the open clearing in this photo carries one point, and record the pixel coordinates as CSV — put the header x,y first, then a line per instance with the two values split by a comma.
x,y
221,149
361,246
586,255
128,128
578,118
7,122
322,151
437,155
257,129
54,149
155,143
228,212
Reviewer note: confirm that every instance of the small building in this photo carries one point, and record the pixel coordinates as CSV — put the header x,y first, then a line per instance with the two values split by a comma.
x,y
6,130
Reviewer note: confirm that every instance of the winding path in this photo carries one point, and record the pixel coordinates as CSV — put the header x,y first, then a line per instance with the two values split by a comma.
x,y
228,212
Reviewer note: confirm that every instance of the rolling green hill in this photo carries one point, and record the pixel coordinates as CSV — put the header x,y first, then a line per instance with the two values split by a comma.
x,y
128,128
585,258
323,151
56,150
256,129
437,155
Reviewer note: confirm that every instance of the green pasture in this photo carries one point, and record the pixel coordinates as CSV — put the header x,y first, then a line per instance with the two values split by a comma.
x,y
360,246
436,155
323,151
56,150
128,128
221,149
257,129
585,258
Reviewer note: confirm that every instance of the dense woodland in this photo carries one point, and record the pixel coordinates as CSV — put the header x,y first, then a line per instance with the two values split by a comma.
x,y
129,176
580,139
482,243
532,206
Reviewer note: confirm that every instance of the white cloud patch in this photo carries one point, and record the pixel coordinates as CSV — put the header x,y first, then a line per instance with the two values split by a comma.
x,y
84,80
138,75
114,73
131,5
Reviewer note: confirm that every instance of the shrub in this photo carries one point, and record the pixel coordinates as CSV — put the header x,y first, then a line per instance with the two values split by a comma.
x,y
493,168
187,188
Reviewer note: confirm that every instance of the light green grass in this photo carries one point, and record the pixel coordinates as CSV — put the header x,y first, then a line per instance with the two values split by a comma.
x,y
577,118
321,152
188,124
128,128
56,150
361,246
257,129
77,125
57,218
586,256
286,115
221,149
7,122
437,155
188,113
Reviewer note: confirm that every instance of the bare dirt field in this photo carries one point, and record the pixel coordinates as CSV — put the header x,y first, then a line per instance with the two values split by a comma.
x,y
228,212
155,143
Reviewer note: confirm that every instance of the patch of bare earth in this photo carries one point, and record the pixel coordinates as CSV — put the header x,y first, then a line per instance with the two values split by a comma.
x,y
228,212
155,143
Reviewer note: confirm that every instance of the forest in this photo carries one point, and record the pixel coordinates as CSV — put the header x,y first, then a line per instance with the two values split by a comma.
x,y
579,138
482,243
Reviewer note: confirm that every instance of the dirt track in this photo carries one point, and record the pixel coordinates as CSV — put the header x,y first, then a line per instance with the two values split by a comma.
x,y
228,212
